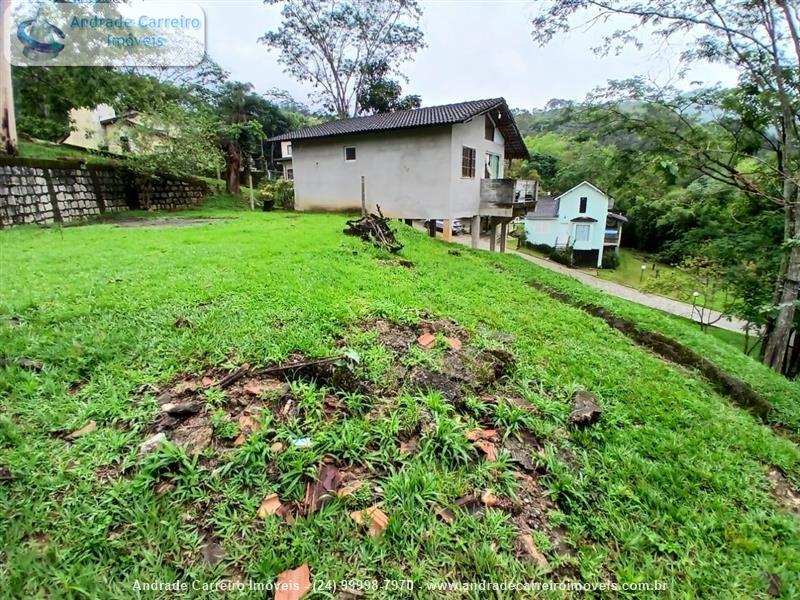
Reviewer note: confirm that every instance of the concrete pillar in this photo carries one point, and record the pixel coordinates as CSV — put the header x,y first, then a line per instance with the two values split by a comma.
x,y
447,230
492,234
432,228
503,235
475,230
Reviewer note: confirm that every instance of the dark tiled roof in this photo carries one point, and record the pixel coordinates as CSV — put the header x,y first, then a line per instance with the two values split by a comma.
x,y
447,114
617,217
546,208
584,220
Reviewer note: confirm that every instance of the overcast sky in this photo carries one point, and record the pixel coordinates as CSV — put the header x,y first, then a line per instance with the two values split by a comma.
x,y
476,49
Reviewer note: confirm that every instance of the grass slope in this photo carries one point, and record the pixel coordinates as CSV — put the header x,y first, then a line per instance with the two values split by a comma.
x,y
670,486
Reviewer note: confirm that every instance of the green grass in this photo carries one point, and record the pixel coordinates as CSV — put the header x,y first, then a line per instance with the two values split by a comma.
x,y
669,486
45,151
658,278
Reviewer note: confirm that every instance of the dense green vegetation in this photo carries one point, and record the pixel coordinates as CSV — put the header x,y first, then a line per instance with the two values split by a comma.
x,y
677,216
669,486
212,122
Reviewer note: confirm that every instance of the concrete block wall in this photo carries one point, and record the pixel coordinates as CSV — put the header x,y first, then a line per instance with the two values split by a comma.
x,y
46,192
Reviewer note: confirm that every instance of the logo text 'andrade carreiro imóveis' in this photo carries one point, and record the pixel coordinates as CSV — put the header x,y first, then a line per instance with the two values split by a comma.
x,y
143,33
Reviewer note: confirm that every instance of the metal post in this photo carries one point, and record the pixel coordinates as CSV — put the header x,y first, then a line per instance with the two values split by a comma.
x,y
363,198
475,230
250,185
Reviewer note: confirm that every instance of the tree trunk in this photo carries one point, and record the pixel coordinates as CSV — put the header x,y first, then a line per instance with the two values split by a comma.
x,y
8,126
777,339
233,162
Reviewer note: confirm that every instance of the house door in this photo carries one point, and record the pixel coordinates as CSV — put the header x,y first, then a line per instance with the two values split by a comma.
x,y
492,166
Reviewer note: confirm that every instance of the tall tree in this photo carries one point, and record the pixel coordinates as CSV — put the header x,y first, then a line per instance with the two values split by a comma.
x,y
246,119
761,39
381,94
330,42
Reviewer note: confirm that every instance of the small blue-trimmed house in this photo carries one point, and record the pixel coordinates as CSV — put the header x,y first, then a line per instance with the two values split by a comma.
x,y
580,218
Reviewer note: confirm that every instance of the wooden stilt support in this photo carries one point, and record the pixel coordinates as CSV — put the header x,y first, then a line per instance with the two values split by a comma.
x,y
492,234
503,235
432,228
447,230
475,230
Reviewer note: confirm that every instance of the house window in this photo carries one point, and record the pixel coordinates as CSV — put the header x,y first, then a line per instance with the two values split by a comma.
x,y
489,129
289,149
582,207
349,153
289,174
581,233
467,161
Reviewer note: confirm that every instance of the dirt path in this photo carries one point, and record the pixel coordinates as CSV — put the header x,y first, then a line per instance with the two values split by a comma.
x,y
674,307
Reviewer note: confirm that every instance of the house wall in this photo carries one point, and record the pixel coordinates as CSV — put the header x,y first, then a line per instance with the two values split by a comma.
x,y
406,172
87,132
541,231
596,208
465,191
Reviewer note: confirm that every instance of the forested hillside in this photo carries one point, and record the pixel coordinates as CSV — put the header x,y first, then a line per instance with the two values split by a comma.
x,y
676,213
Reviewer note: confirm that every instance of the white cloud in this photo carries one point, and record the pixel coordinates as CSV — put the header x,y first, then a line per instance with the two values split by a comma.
x,y
476,49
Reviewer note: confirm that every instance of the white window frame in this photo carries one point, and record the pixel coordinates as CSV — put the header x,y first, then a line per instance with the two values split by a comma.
x,y
578,227
346,148
289,149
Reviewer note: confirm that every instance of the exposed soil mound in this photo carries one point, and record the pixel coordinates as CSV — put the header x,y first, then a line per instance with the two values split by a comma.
x,y
214,413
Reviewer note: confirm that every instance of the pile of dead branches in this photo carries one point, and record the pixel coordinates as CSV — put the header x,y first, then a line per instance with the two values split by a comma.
x,y
375,228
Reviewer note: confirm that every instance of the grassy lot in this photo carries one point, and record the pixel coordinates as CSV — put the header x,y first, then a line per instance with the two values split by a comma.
x,y
658,278
670,486
28,149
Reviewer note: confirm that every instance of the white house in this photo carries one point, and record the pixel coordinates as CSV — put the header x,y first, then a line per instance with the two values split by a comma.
x,y
580,218
285,160
425,163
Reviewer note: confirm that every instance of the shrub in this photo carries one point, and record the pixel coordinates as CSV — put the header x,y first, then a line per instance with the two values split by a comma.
x,y
562,256
279,190
610,259
543,248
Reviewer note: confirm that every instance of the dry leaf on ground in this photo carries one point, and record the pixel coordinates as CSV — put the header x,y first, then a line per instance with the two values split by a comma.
x,y
349,488
88,428
269,506
372,516
488,448
293,584
481,434
532,551
454,343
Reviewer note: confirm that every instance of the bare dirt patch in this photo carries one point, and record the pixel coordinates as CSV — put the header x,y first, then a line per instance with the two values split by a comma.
x,y
211,414
782,491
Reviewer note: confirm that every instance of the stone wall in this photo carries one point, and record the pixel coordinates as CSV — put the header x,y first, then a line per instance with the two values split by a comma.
x,y
46,192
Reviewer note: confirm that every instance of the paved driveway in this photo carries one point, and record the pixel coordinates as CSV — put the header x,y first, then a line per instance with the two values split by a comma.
x,y
669,305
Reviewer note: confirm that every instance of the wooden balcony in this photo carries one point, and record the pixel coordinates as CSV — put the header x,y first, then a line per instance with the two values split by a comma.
x,y
497,199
